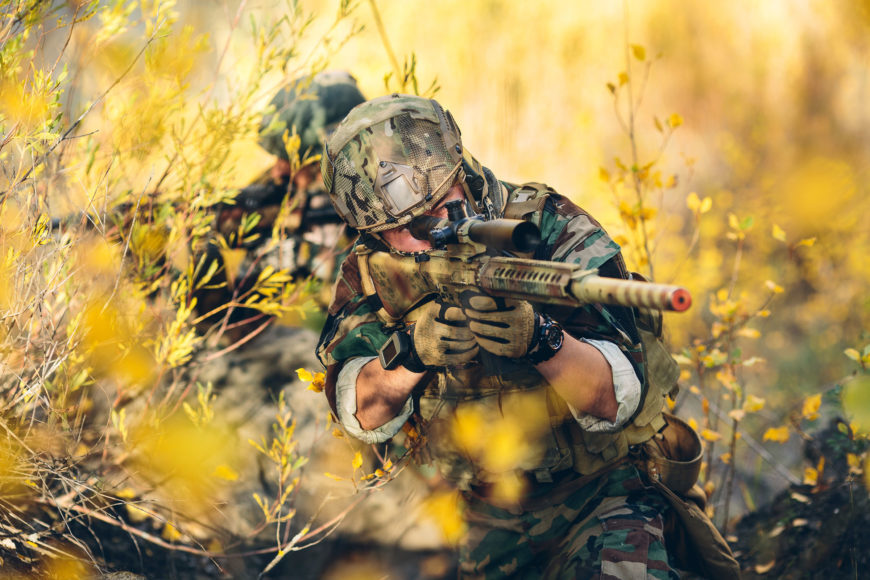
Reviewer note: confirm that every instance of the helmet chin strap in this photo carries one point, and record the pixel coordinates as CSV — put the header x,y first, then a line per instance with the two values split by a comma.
x,y
381,244
481,187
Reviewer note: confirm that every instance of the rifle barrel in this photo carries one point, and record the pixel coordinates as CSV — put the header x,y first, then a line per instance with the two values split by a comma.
x,y
631,293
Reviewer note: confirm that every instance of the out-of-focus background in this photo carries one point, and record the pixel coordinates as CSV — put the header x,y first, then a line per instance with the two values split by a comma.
x,y
726,148
773,99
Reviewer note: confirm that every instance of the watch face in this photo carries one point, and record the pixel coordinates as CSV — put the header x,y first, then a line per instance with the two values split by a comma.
x,y
554,337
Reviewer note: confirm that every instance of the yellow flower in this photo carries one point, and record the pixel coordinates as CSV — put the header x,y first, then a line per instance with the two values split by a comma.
x,y
778,434
753,404
711,435
811,407
316,380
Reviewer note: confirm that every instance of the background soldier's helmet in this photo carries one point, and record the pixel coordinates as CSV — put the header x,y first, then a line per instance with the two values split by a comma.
x,y
391,159
312,107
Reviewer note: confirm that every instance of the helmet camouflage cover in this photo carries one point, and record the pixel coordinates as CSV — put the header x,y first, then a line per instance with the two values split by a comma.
x,y
310,107
391,159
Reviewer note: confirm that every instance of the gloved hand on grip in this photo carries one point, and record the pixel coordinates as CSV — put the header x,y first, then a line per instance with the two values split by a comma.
x,y
503,327
441,337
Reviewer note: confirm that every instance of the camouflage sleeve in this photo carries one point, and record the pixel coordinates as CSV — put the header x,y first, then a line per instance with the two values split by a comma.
x,y
351,330
571,235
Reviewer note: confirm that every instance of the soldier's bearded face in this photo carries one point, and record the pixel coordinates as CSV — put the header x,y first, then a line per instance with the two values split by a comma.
x,y
401,239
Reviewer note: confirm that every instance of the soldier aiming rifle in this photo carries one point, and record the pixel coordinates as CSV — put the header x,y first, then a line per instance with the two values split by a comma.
x,y
469,300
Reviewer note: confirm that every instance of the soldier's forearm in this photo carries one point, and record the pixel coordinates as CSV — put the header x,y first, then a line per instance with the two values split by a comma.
x,y
381,394
581,375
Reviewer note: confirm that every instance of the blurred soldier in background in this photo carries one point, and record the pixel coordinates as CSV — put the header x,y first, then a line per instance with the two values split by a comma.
x,y
312,238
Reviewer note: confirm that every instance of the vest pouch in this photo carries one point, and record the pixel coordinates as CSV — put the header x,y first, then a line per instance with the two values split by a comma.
x,y
693,539
672,461
673,455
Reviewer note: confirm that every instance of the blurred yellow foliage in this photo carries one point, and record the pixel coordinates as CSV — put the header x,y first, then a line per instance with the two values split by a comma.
x,y
315,380
446,508
856,402
191,461
504,440
778,434
112,344
811,406
19,106
753,404
697,205
710,435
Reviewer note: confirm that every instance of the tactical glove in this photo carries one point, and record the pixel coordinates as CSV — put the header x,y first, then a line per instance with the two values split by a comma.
x,y
441,337
502,327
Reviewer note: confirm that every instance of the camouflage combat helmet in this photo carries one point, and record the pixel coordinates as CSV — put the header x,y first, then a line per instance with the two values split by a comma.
x,y
391,159
311,107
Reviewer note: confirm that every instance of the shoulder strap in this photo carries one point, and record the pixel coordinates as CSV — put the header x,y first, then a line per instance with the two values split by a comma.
x,y
527,202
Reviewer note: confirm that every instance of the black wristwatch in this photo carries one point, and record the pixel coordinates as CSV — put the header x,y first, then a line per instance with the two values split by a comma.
x,y
547,341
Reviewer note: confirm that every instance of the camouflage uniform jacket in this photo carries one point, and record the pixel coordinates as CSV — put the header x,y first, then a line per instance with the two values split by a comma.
x,y
569,234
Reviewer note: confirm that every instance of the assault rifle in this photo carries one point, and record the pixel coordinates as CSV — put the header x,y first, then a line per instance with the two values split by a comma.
x,y
266,193
462,261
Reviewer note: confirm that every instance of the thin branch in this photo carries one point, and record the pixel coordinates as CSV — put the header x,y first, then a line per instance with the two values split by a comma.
x,y
81,117
385,39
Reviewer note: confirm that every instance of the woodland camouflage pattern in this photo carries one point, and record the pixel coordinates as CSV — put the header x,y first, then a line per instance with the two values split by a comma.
x,y
611,528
